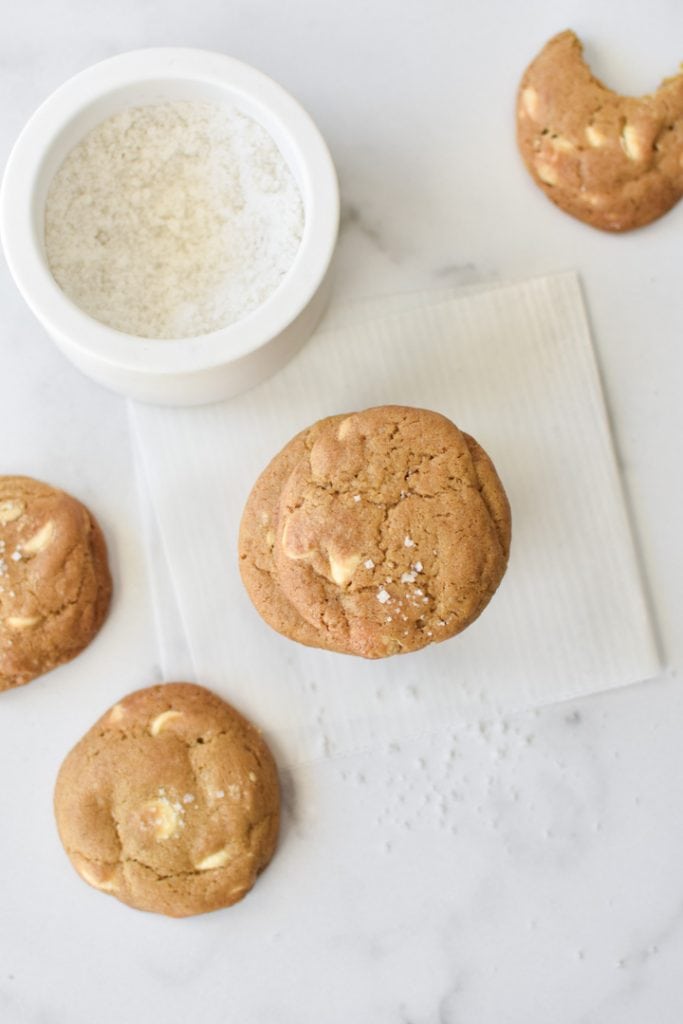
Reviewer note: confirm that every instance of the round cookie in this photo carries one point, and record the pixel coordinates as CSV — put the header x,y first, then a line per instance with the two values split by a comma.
x,y
612,161
170,802
393,531
257,541
55,585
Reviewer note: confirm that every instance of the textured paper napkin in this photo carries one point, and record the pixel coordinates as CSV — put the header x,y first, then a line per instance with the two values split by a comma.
x,y
514,366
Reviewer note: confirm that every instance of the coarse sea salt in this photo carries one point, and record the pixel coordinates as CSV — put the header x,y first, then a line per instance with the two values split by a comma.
x,y
173,220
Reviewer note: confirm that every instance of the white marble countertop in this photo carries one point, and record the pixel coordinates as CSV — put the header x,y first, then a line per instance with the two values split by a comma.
x,y
523,873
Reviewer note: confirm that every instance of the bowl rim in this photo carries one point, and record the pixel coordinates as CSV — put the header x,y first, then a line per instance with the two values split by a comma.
x,y
74,327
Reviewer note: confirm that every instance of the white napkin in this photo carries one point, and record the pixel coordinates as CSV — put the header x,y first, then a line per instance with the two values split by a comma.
x,y
514,366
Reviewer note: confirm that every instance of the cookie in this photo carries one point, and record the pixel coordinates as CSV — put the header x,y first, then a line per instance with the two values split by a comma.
x,y
615,162
170,802
257,541
392,531
55,585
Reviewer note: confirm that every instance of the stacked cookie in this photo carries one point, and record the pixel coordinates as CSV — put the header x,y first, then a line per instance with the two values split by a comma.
x,y
375,533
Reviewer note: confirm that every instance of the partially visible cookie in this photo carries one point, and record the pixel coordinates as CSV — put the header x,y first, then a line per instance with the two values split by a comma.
x,y
170,802
612,161
55,585
393,531
258,530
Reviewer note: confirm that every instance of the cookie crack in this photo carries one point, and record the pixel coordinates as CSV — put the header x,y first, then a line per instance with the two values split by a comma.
x,y
189,873
91,859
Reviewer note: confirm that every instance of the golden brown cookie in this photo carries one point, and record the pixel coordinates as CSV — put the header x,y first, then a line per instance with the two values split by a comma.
x,y
170,802
55,585
392,533
612,161
257,541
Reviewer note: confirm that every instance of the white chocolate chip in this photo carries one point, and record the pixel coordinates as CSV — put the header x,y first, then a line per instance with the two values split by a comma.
x,y
546,172
162,720
530,102
214,860
100,876
23,621
10,510
117,713
161,817
252,776
344,428
342,568
289,547
39,540
369,564
595,137
632,143
562,144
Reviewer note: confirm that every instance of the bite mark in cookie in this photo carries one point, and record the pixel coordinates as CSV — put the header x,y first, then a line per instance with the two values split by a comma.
x,y
612,161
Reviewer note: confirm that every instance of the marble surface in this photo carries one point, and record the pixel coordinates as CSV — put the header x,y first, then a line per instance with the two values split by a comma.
x,y
518,872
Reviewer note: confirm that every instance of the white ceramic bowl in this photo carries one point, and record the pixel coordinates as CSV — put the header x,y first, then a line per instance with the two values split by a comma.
x,y
190,371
